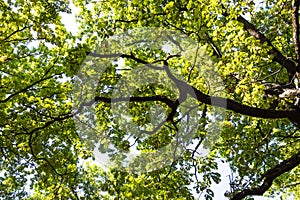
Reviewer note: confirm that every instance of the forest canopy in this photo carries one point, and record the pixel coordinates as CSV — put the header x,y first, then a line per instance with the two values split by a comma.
x,y
148,98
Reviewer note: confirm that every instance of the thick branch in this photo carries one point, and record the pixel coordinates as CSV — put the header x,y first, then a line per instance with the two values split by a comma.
x,y
293,114
278,57
184,88
172,104
229,104
163,99
269,176
295,20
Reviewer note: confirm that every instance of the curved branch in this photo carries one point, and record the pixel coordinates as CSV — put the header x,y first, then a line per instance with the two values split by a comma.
x,y
31,144
172,104
270,176
16,31
292,114
184,88
278,57
163,99
28,87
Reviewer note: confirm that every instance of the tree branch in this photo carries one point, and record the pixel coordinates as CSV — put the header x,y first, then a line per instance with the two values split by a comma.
x,y
292,114
163,99
278,57
216,51
31,146
270,176
16,31
28,87
184,89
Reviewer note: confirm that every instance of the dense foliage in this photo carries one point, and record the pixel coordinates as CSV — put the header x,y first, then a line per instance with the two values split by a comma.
x,y
240,98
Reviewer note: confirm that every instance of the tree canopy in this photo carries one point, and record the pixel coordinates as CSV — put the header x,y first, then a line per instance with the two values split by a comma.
x,y
186,84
